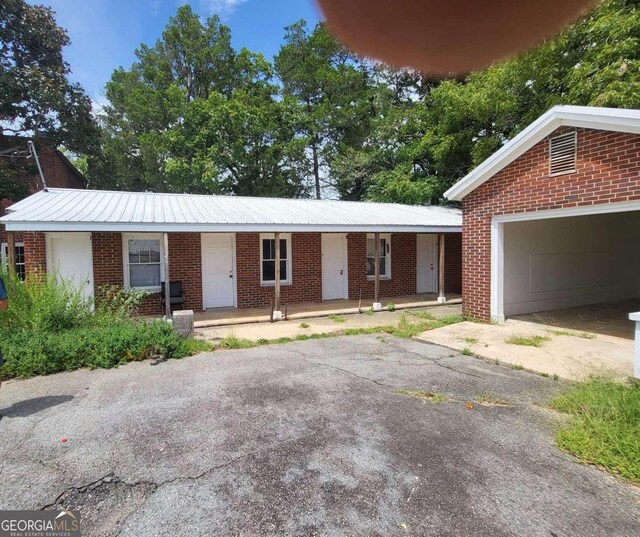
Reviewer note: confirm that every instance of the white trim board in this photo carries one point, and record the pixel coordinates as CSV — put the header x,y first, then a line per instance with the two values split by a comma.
x,y
133,227
608,119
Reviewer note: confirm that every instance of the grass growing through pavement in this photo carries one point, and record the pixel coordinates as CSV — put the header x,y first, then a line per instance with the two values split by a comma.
x,y
405,329
304,325
528,341
337,318
605,428
584,335
424,395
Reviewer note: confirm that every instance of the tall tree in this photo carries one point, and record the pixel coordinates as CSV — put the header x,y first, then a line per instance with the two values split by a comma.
x,y
193,114
417,150
329,88
36,96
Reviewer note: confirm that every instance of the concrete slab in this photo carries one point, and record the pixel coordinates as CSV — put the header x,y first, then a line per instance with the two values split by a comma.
x,y
569,354
309,310
307,438
317,325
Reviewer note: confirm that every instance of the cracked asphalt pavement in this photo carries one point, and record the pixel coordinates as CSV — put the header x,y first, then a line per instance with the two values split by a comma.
x,y
307,438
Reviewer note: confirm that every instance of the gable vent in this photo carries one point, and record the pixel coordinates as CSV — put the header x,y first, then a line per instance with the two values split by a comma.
x,y
562,153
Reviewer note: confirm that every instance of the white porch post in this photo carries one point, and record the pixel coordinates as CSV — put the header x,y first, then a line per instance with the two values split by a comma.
x,y
277,313
167,278
377,306
636,352
441,296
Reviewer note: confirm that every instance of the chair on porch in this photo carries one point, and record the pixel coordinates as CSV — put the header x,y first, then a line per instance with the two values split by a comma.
x,y
176,296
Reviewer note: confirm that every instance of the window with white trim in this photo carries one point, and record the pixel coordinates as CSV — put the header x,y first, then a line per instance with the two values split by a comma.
x,y
143,261
385,256
563,153
268,258
19,258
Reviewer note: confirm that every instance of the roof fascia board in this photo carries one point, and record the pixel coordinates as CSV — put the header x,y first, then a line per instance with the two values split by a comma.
x,y
14,225
533,134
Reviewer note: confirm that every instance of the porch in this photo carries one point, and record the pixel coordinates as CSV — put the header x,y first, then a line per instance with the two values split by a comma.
x,y
306,310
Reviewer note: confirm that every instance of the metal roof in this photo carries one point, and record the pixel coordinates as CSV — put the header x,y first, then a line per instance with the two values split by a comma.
x,y
588,117
61,209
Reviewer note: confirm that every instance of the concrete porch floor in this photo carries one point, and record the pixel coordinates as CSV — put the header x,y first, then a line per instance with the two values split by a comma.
x,y
588,340
308,310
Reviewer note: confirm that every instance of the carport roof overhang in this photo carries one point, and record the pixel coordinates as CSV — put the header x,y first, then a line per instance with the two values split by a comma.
x,y
94,210
588,117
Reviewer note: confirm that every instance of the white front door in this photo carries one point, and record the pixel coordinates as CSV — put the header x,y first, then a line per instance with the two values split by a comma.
x,y
426,263
70,258
217,270
335,280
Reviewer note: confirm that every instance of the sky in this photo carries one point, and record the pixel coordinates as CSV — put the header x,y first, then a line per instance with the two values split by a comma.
x,y
105,33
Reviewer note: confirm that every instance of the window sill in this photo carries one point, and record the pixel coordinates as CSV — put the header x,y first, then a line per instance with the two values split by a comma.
x,y
147,289
373,278
273,284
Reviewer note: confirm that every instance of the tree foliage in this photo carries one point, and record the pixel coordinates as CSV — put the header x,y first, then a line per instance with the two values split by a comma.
x,y
36,97
194,114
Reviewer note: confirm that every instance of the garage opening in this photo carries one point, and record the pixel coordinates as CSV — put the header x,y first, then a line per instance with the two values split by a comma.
x,y
582,272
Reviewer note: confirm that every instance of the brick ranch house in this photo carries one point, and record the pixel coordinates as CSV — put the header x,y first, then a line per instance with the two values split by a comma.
x,y
552,219
222,248
58,170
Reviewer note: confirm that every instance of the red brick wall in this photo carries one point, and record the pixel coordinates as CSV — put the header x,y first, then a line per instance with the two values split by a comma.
x,y
35,253
607,171
306,277
453,263
403,267
185,265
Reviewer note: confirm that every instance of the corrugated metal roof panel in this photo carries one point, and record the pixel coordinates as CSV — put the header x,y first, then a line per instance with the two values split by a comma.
x,y
95,209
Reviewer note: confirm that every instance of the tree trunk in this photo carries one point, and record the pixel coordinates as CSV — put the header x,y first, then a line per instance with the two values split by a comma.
x,y
316,166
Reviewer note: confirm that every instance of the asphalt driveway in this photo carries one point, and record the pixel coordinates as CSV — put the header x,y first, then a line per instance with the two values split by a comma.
x,y
308,438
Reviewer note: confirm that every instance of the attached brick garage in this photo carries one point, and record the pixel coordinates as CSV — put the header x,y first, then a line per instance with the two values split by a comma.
x,y
552,220
223,249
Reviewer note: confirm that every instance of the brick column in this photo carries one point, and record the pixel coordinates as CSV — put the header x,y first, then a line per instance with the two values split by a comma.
x,y
35,254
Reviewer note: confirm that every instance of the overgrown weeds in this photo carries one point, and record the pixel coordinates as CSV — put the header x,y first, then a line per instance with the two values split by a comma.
x,y
605,425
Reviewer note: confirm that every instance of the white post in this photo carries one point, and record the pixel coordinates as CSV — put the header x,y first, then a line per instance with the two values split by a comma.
x,y
442,299
277,313
636,353
377,306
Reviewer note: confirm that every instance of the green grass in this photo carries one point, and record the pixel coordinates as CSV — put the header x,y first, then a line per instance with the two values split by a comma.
x,y
584,335
424,395
337,318
517,367
405,329
528,341
233,342
470,340
391,306
605,425
466,352
304,325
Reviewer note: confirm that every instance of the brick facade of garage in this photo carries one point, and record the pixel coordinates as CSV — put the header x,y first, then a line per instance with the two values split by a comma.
x,y
607,171
185,266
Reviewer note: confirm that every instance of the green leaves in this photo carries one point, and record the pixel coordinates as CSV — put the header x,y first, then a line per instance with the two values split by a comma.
x,y
35,93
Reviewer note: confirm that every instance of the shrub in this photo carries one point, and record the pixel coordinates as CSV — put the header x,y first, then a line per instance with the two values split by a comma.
x,y
50,327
